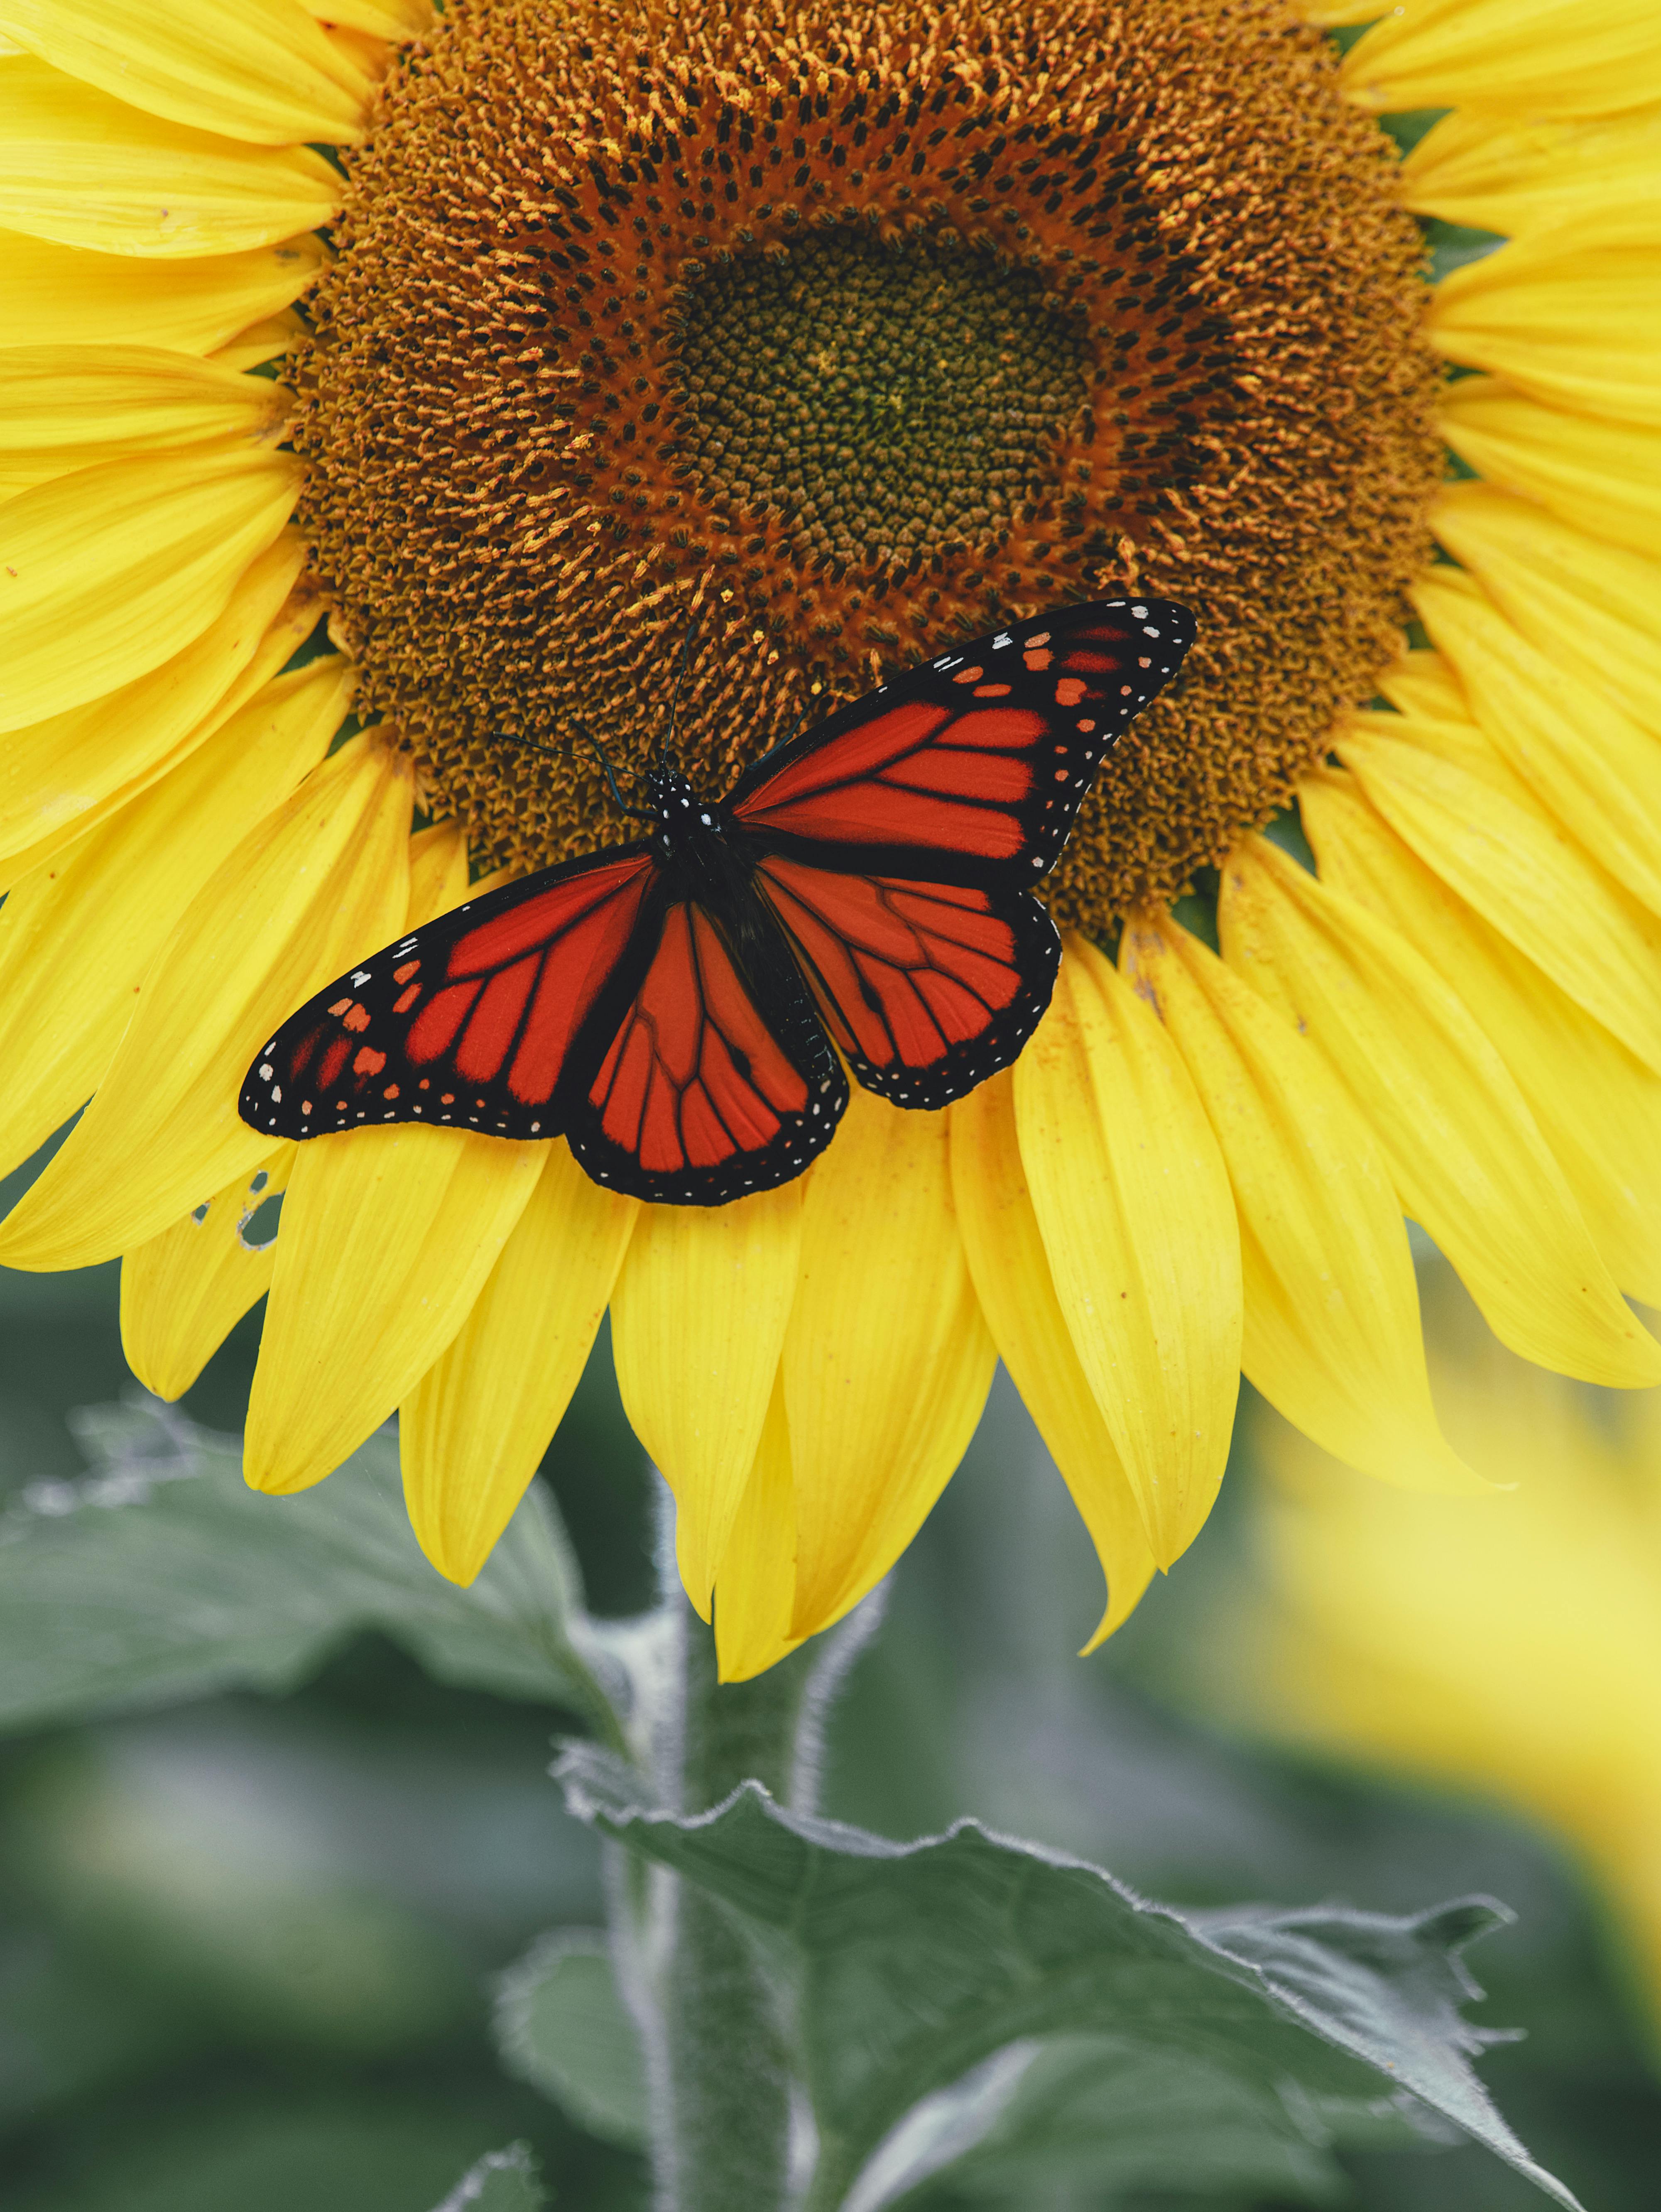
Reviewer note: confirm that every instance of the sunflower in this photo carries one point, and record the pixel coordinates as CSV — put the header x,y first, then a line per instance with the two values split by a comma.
x,y
382,390
1510,1646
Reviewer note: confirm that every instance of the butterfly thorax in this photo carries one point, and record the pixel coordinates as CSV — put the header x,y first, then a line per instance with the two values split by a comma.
x,y
685,820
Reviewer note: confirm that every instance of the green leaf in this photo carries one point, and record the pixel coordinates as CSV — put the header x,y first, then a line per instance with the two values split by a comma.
x,y
163,1577
907,1967
502,2181
561,2025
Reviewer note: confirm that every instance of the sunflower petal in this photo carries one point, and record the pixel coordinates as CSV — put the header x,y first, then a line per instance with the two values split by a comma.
x,y
887,1361
1467,1157
1595,609
54,294
1010,1270
262,341
472,1432
1522,176
1509,56
1597,1106
319,880
697,1321
78,936
63,408
388,1236
754,1588
112,571
1602,476
1333,1338
84,169
260,70
1510,862
392,20
61,777
1575,325
184,1292
1134,1208
1594,767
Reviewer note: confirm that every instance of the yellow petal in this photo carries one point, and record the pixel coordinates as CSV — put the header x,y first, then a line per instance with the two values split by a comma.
x,y
1010,1270
697,1320
184,1292
1521,176
438,872
1602,476
392,20
63,408
319,882
1467,1157
63,295
1589,606
473,1430
388,1237
1597,1106
1134,1205
87,170
1576,325
110,572
1512,57
1510,862
262,341
887,1361
1596,770
78,936
755,1590
260,70
1332,1331
60,777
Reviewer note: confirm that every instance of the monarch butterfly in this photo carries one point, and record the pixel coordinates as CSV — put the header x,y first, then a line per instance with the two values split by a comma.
x,y
681,1007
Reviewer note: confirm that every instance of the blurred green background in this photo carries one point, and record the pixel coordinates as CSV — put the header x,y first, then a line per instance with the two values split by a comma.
x,y
246,1945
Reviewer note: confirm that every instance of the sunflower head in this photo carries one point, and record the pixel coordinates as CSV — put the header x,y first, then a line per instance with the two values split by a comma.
x,y
867,331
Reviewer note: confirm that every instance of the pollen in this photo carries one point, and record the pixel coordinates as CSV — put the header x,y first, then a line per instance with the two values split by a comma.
x,y
857,335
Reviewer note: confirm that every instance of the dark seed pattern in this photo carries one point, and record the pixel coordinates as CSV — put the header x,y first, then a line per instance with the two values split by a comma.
x,y
867,330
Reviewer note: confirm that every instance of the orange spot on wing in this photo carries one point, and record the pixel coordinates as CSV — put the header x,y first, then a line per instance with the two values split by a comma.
x,y
356,1019
406,1000
1070,690
367,1061
403,974
968,676
1036,661
991,691
340,1006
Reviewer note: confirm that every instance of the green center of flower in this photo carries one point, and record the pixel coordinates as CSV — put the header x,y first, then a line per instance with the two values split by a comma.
x,y
887,400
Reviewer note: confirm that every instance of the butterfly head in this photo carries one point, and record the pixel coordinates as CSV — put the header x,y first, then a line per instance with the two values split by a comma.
x,y
680,814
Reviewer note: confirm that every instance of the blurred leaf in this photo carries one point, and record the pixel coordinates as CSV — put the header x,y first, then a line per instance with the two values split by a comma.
x,y
502,2181
162,1577
907,1967
561,2025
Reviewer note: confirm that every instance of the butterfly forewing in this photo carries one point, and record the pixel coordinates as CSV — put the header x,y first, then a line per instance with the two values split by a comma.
x,y
469,1021
972,768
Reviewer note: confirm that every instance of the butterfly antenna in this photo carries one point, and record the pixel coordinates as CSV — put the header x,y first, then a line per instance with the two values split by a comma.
x,y
509,738
680,680
610,774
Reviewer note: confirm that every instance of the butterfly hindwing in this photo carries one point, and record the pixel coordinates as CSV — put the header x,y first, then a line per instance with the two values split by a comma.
x,y
972,768
469,1021
926,988
716,1080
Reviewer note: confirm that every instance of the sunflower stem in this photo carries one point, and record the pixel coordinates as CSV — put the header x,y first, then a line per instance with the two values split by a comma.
x,y
729,2076
727,2093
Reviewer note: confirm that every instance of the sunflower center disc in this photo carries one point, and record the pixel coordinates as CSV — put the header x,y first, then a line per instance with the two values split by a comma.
x,y
887,400
866,331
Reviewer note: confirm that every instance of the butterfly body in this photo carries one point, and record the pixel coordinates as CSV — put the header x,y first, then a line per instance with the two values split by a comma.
x,y
681,1007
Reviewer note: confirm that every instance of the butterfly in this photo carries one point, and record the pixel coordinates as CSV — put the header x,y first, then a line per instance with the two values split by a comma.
x,y
682,1008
